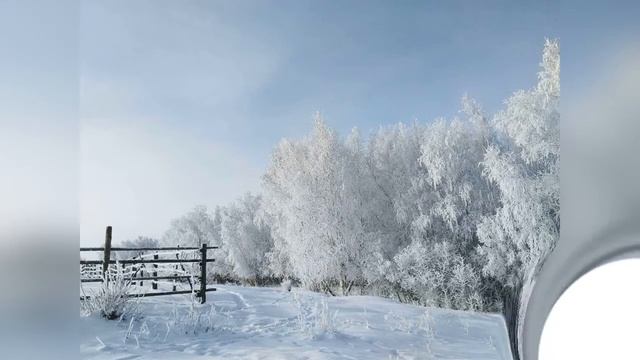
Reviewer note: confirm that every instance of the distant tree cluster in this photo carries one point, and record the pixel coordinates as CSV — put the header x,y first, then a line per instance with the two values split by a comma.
x,y
139,242
456,213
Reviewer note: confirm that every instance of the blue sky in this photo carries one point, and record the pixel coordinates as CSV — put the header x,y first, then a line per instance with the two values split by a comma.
x,y
181,103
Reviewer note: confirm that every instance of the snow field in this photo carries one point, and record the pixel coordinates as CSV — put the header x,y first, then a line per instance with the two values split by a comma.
x,y
268,323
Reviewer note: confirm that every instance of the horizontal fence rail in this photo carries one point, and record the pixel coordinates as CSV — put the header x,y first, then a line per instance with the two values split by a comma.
x,y
147,248
141,261
179,292
90,267
141,278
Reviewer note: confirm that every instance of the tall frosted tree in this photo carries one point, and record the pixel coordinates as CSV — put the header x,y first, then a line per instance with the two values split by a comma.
x,y
524,165
453,193
314,198
392,167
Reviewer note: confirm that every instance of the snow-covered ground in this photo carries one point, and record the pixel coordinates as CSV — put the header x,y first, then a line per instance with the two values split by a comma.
x,y
268,323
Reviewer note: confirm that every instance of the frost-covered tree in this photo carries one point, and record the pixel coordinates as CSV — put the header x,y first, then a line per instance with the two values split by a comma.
x,y
220,270
440,204
278,263
454,195
246,237
315,200
524,164
391,168
194,229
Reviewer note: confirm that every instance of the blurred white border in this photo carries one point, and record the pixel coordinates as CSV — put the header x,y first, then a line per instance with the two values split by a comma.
x,y
598,317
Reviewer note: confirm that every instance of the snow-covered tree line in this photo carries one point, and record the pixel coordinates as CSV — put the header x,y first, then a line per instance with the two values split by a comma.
x,y
454,213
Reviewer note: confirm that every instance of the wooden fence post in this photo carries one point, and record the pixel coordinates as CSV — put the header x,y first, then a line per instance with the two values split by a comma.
x,y
174,281
203,274
154,284
107,253
143,267
176,269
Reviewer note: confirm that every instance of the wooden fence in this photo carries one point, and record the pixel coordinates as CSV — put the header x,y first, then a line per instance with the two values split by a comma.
x,y
138,265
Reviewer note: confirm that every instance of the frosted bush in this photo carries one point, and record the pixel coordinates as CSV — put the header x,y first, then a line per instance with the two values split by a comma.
x,y
197,319
427,323
286,285
315,319
325,319
111,300
438,276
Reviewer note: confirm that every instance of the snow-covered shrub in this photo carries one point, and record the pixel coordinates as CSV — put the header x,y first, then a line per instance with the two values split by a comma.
x,y
196,319
286,285
437,276
427,324
111,299
315,319
325,320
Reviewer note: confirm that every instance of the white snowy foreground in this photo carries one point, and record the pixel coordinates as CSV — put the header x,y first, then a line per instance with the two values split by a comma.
x,y
268,323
